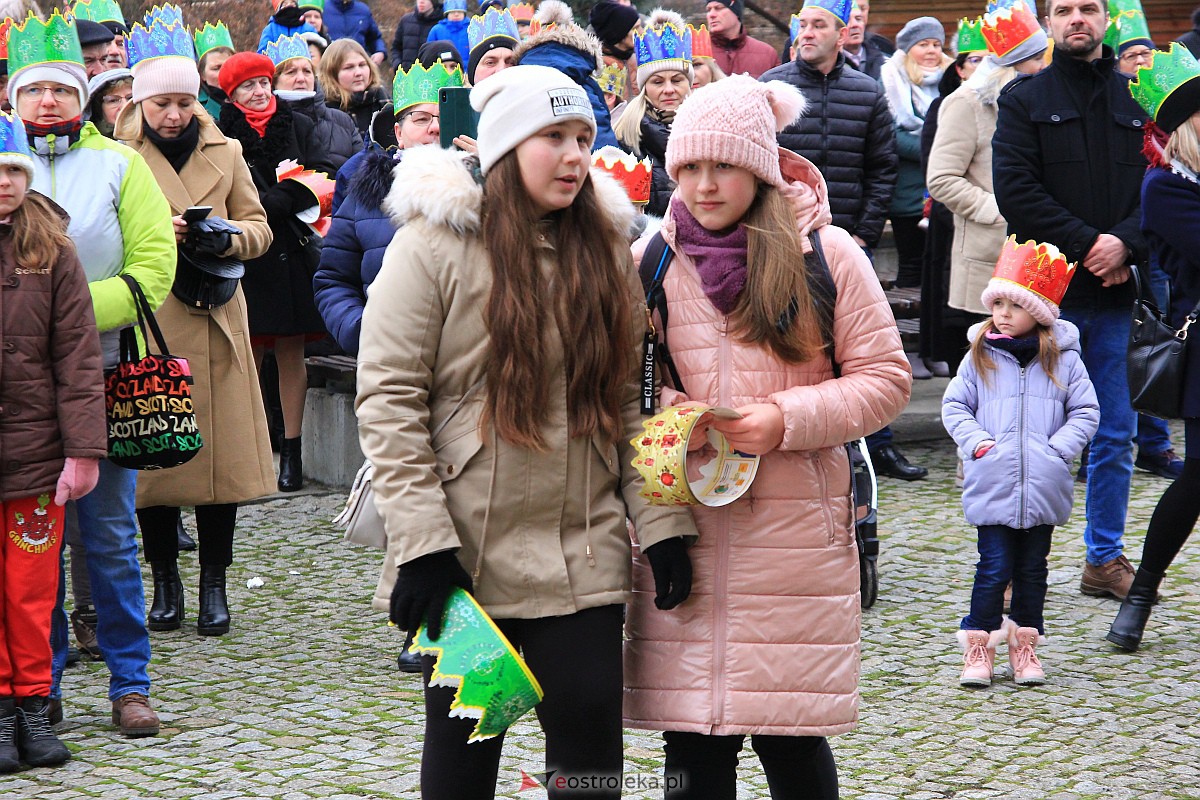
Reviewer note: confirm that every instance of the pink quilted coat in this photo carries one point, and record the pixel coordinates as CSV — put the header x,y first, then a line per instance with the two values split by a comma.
x,y
768,641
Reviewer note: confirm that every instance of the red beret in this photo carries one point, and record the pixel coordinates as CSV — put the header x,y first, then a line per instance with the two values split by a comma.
x,y
241,67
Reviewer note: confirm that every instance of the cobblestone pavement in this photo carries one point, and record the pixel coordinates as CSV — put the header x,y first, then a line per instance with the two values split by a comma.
x,y
302,699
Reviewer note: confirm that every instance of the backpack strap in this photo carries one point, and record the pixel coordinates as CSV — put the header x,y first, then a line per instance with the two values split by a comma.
x,y
652,270
824,292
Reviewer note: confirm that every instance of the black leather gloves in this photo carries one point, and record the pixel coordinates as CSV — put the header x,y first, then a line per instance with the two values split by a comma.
x,y
422,589
672,568
212,235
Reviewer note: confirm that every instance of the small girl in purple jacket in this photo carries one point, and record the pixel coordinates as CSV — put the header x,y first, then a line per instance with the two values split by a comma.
x,y
1021,409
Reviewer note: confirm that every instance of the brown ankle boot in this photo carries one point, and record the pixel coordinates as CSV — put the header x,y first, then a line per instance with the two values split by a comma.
x,y
132,712
1111,578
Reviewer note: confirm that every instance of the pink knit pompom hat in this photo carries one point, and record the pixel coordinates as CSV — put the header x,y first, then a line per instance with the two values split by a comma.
x,y
734,121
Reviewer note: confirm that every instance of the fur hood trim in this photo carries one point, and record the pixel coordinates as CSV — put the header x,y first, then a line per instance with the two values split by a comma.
x,y
662,16
372,182
457,202
987,81
569,35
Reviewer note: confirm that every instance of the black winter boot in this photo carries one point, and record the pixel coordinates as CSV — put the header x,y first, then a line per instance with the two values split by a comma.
x,y
291,469
213,619
10,757
38,745
166,611
1127,628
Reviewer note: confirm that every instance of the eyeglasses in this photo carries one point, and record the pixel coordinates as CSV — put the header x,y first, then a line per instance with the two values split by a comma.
x,y
422,119
59,93
114,100
1137,56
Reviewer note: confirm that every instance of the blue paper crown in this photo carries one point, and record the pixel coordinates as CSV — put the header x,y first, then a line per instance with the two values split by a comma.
x,y
167,14
286,47
13,139
493,23
159,41
839,8
663,43
454,5
998,5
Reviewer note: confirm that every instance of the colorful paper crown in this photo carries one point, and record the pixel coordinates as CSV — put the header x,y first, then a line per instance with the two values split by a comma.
x,y
212,36
663,43
420,85
4,26
98,11
662,459
1168,88
454,5
1007,26
159,41
633,175
1038,267
612,79
318,5
521,12
285,48
167,14
494,22
492,682
14,143
701,42
36,42
839,8
970,36
1126,23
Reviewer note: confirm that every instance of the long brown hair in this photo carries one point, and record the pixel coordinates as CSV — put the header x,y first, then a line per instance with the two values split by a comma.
x,y
331,64
1048,353
39,233
587,297
774,309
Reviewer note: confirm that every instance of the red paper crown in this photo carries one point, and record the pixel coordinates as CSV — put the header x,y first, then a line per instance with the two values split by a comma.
x,y
1009,27
633,175
701,42
4,26
1040,268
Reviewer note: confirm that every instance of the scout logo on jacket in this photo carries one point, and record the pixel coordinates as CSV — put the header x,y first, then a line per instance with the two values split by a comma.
x,y
569,102
1007,25
1040,268
36,532
714,475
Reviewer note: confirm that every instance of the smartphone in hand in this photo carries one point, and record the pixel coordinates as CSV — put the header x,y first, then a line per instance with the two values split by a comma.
x,y
196,213
457,116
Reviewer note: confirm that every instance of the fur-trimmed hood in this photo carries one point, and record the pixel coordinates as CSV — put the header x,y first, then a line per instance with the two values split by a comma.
x,y
457,203
988,79
565,34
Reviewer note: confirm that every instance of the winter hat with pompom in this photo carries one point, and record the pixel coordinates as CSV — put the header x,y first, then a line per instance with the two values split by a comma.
x,y
734,121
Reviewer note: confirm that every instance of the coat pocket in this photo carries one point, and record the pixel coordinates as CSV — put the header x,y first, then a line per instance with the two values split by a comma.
x,y
1060,134
457,442
1131,135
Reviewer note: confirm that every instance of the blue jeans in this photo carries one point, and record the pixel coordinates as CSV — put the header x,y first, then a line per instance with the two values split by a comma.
x,y
1009,554
1104,337
108,529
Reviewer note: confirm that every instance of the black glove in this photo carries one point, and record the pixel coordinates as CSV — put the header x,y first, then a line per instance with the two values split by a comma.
x,y
212,235
672,568
422,589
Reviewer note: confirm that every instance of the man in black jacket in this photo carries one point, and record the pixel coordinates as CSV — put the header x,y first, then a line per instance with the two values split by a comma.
x,y
861,52
1067,167
412,31
847,132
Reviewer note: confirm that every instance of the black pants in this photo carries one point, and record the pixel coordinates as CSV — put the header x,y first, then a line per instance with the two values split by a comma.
x,y
577,661
214,533
910,250
1175,516
701,767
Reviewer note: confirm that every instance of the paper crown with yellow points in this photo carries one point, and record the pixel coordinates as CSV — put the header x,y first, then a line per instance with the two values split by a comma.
x,y
494,22
663,454
633,175
14,143
970,36
286,48
420,85
98,11
701,42
166,13
160,40
613,79
54,41
840,9
1006,26
1126,24
4,26
666,43
522,12
211,37
1033,275
1169,88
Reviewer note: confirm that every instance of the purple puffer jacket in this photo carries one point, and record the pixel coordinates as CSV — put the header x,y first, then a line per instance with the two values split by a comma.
x,y
1039,428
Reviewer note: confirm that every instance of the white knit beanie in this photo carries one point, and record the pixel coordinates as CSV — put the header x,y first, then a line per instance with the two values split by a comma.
x,y
68,73
165,75
516,103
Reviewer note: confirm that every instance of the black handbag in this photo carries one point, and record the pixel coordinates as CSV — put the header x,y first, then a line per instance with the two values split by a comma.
x,y
1156,361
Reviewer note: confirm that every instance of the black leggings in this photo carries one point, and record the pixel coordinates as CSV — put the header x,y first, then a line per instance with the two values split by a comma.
x,y
1177,510
702,767
214,533
577,661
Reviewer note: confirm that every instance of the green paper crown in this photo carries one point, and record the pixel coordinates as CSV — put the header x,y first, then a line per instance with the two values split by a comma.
x,y
316,5
970,36
1152,86
211,36
420,85
1126,22
98,11
36,42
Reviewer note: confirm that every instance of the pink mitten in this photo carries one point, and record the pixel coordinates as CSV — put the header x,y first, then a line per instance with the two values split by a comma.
x,y
79,476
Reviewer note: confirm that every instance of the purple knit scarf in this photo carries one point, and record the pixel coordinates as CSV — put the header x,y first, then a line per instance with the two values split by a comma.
x,y
720,258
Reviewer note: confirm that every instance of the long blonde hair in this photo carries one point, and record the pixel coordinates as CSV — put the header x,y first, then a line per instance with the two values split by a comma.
x,y
1048,352
916,73
1184,145
331,64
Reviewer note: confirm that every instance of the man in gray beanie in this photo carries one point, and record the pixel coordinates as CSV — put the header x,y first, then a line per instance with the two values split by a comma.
x,y
733,50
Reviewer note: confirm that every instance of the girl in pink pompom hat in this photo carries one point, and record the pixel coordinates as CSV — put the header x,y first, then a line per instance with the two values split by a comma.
x,y
753,629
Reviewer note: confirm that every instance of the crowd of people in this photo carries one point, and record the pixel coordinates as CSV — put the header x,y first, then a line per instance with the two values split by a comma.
x,y
488,289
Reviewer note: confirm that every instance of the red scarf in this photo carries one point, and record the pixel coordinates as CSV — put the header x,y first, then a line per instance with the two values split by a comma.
x,y
259,119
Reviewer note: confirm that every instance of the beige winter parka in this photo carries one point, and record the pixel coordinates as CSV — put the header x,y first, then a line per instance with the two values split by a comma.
x,y
768,641
543,534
